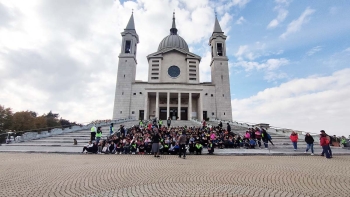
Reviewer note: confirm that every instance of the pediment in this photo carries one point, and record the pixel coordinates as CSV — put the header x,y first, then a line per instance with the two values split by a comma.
x,y
160,54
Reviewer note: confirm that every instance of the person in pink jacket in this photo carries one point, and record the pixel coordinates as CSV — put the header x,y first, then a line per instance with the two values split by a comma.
x,y
247,135
294,138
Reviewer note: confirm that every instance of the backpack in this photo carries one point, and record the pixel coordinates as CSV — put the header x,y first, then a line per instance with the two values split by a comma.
x,y
328,139
269,137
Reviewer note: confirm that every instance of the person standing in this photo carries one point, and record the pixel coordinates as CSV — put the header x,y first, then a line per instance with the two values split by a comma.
x,y
228,128
294,138
325,141
160,122
98,134
93,132
309,143
156,142
168,122
182,143
111,129
220,125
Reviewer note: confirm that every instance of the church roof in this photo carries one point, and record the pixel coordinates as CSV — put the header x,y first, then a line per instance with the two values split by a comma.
x,y
173,40
217,28
131,23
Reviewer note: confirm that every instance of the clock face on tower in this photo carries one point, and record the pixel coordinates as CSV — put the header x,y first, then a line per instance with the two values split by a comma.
x,y
174,71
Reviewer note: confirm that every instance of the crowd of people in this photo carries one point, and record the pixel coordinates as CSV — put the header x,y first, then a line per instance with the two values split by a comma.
x,y
154,138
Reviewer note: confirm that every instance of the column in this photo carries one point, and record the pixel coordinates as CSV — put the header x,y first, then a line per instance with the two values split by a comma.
x,y
190,106
179,106
200,110
157,105
168,105
146,117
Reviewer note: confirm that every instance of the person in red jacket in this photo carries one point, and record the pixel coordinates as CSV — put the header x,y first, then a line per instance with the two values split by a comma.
x,y
294,138
324,142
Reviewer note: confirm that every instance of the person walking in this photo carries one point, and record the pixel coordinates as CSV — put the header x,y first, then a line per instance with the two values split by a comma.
x,y
265,138
324,142
182,143
155,142
294,138
309,143
168,122
93,132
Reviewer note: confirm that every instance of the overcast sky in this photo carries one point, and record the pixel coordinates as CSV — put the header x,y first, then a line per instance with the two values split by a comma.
x,y
289,60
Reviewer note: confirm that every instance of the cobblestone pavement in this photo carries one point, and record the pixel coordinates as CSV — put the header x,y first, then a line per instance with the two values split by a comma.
x,y
135,175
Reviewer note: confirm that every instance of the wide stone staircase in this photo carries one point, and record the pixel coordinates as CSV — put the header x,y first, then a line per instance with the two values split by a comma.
x,y
63,143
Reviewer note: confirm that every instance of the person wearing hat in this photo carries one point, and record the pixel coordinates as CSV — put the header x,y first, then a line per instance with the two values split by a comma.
x,y
182,143
325,141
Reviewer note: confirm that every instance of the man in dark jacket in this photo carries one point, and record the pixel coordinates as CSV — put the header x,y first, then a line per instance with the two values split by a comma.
x,y
182,143
228,128
310,143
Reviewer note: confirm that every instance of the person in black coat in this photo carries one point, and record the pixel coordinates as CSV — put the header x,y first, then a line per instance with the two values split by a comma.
x,y
310,143
228,128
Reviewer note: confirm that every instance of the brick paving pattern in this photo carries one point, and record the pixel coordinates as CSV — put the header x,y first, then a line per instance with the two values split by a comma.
x,y
134,175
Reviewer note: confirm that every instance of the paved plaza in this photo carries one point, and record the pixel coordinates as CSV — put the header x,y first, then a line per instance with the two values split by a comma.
x,y
134,175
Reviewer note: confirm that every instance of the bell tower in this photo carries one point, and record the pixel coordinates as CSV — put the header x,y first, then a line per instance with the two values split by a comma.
x,y
220,73
126,71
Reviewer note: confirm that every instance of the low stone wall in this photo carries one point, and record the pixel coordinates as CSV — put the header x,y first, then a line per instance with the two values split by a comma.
x,y
58,131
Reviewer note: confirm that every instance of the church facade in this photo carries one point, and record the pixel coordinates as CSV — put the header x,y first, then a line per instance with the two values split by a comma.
x,y
173,88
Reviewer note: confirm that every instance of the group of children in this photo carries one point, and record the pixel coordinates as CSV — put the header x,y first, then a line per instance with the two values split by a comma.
x,y
138,140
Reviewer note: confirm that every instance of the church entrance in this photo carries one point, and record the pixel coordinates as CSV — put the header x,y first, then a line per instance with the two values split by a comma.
x,y
184,113
162,113
173,113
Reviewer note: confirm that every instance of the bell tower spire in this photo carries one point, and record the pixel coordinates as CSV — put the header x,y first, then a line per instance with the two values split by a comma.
x,y
220,72
126,71
173,30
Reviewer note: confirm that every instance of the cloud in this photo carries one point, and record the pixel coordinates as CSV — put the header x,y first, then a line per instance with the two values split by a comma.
x,y
295,105
280,7
338,60
225,5
295,25
240,20
314,50
63,55
282,14
269,65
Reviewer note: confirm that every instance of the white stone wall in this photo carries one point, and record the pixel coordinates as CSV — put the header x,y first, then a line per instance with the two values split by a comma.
x,y
137,101
221,79
125,78
177,59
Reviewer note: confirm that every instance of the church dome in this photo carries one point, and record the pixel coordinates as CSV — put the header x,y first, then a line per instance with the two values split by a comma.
x,y
173,41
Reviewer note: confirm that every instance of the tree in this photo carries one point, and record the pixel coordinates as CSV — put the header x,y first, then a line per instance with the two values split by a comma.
x,y
23,120
5,118
40,122
52,119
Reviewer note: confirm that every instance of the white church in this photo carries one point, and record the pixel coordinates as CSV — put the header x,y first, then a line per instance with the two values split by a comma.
x,y
173,88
